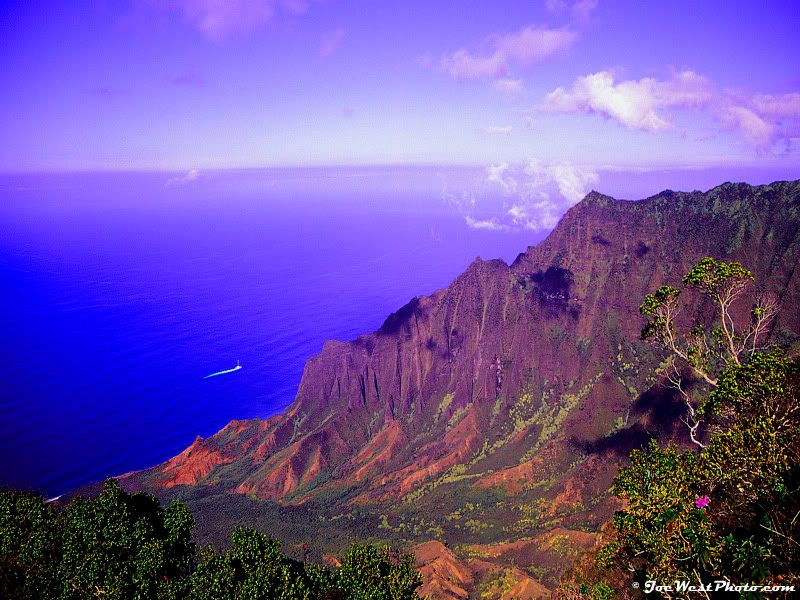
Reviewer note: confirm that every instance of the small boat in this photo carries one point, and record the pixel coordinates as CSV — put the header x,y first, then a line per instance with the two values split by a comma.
x,y
226,371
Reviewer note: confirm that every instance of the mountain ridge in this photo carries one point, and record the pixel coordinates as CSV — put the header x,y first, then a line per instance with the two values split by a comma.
x,y
500,406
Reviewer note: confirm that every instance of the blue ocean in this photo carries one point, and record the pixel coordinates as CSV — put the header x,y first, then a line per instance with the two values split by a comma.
x,y
122,292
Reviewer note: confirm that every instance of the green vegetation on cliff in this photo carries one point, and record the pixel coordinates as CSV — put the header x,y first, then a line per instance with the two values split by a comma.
x,y
727,506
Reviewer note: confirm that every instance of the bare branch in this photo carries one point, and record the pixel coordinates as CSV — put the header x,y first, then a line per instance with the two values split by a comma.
x,y
724,301
780,534
691,421
764,312
668,313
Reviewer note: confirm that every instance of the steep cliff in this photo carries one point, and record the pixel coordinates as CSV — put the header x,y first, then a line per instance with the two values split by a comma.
x,y
500,407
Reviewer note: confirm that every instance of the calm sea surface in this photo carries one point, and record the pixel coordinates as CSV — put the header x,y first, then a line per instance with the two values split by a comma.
x,y
120,293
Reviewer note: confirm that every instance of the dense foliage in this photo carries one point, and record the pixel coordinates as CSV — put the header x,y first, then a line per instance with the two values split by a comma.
x,y
122,545
729,510
727,507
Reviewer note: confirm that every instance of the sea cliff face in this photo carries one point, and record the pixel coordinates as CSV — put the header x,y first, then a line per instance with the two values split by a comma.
x,y
500,407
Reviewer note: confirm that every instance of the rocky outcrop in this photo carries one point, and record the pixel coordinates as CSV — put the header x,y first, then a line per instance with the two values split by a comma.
x,y
447,577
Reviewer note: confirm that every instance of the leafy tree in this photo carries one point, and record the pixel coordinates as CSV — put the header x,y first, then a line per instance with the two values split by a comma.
x,y
118,545
29,547
122,545
727,509
368,573
126,546
254,568
706,352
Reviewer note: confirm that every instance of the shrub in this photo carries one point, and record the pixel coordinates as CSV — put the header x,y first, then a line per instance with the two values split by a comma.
x,y
727,508
122,546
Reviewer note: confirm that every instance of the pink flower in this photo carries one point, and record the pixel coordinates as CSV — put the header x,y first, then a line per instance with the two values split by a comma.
x,y
701,502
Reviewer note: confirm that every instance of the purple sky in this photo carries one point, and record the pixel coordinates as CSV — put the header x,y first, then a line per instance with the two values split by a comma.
x,y
536,94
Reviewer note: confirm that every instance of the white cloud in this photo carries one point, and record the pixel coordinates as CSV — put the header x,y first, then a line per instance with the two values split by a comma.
x,y
532,44
646,104
511,197
761,119
496,174
188,177
580,10
219,19
499,131
572,182
637,104
583,9
534,204
537,172
462,201
755,129
463,65
780,105
508,86
488,224
536,211
331,41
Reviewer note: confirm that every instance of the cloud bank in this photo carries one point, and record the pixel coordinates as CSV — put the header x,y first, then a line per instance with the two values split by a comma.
x,y
637,104
530,45
648,104
532,196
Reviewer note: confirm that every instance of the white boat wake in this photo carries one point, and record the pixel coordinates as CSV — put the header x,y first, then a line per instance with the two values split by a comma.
x,y
236,368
